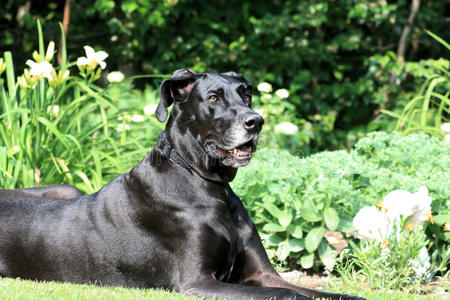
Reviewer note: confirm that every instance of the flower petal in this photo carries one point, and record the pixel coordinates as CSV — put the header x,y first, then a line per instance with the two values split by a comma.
x,y
90,53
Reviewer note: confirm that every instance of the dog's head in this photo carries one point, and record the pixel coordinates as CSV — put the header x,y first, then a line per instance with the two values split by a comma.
x,y
215,110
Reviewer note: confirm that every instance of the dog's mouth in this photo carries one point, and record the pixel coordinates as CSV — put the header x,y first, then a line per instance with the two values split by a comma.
x,y
234,157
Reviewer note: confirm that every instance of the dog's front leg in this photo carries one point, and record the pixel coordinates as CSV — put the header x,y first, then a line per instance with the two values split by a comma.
x,y
252,266
210,288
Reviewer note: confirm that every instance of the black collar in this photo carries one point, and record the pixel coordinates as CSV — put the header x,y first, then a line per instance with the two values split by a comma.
x,y
169,152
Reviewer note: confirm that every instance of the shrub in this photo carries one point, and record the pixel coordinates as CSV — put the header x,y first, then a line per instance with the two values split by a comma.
x,y
301,204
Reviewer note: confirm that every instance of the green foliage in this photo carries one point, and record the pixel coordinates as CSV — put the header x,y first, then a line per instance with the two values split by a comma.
x,y
325,53
295,201
399,262
60,129
427,111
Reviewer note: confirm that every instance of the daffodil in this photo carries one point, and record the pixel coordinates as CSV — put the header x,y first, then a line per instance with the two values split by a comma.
x,y
92,59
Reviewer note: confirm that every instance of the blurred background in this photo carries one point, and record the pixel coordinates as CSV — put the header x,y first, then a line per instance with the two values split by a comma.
x,y
341,61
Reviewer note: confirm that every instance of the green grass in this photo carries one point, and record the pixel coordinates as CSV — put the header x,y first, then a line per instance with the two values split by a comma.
x,y
24,289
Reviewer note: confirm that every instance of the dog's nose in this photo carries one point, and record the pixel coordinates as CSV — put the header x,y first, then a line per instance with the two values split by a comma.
x,y
252,122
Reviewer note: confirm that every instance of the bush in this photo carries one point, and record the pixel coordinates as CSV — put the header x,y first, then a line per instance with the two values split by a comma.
x,y
300,205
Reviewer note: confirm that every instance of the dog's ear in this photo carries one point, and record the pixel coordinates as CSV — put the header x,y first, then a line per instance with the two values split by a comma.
x,y
176,88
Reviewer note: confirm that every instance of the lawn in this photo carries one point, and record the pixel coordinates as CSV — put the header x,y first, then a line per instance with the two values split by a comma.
x,y
30,290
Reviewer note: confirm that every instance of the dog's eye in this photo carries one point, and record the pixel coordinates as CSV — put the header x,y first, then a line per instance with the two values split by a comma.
x,y
213,98
247,99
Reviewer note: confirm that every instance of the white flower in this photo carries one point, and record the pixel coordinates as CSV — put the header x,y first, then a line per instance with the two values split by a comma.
x,y
137,118
445,127
122,127
50,51
421,263
266,97
370,223
42,69
54,109
92,58
398,203
447,137
150,109
282,93
286,128
402,203
421,204
264,87
115,76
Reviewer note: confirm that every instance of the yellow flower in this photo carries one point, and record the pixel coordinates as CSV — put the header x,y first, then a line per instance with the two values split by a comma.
x,y
380,206
57,79
27,81
447,227
2,65
409,226
429,215
384,244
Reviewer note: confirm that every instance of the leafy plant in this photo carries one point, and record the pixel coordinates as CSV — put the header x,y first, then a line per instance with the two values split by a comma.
x,y
303,208
56,128
431,108
400,261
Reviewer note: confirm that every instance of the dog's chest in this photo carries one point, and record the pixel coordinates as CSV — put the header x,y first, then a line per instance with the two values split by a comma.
x,y
214,239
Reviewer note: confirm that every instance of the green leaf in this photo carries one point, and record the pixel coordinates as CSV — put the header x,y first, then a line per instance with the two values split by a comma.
x,y
272,209
275,239
310,212
327,255
441,219
273,228
313,239
295,230
345,224
307,261
331,218
285,218
296,245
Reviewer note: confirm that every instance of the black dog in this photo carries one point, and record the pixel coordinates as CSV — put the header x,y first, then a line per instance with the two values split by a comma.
x,y
172,222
